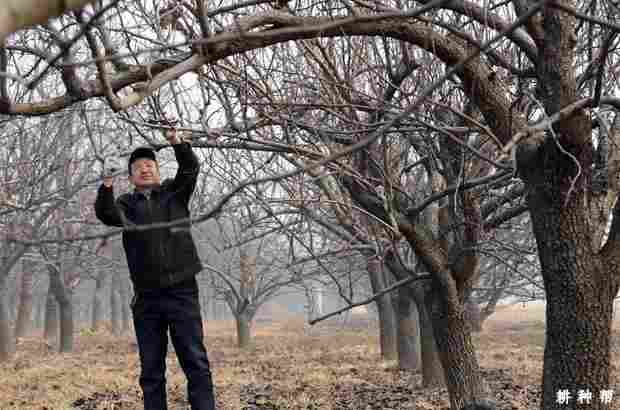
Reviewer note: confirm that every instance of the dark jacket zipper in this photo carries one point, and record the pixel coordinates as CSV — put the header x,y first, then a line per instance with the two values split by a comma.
x,y
162,248
163,243
151,220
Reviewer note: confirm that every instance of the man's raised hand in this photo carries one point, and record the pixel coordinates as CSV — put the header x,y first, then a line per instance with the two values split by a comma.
x,y
110,167
172,136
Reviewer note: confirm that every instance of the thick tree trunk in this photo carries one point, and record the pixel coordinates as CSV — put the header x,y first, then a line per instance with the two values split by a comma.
x,y
432,369
23,324
580,296
50,327
578,332
385,307
387,330
408,331
456,350
97,312
65,307
244,336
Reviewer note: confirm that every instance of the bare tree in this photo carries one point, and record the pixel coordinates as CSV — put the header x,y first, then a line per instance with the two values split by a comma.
x,y
23,324
523,73
31,200
246,272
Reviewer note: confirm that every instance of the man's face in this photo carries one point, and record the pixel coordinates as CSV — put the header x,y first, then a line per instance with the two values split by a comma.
x,y
170,133
144,173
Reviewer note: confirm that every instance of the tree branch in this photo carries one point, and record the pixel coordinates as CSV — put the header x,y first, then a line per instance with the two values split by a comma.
x,y
19,14
371,299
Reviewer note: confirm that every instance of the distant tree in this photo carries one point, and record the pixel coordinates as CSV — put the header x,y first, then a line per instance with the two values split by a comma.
x,y
247,270
23,323
535,82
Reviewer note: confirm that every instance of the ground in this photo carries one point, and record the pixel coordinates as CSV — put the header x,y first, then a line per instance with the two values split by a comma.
x,y
290,366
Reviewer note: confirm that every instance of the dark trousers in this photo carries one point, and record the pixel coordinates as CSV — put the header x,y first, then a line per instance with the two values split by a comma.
x,y
175,309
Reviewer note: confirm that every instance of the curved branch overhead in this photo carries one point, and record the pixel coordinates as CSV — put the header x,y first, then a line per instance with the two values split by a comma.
x,y
490,95
492,20
343,116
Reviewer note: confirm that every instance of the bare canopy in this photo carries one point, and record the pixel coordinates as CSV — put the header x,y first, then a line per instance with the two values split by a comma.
x,y
19,14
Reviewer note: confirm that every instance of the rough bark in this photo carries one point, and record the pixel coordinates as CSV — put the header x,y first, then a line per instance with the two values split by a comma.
x,y
444,302
577,282
579,313
580,283
456,350
23,324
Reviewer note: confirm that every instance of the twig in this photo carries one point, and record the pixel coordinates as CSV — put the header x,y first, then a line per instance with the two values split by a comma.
x,y
601,68
371,299
412,211
542,125
58,56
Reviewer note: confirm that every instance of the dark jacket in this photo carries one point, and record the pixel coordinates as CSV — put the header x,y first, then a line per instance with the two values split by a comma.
x,y
164,256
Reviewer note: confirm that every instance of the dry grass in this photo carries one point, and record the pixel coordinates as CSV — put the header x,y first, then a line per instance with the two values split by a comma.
x,y
286,368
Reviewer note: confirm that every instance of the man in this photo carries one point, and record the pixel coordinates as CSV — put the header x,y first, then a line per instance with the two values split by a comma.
x,y
163,263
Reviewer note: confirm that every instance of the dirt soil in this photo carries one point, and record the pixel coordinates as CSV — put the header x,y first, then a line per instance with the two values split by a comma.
x,y
333,365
